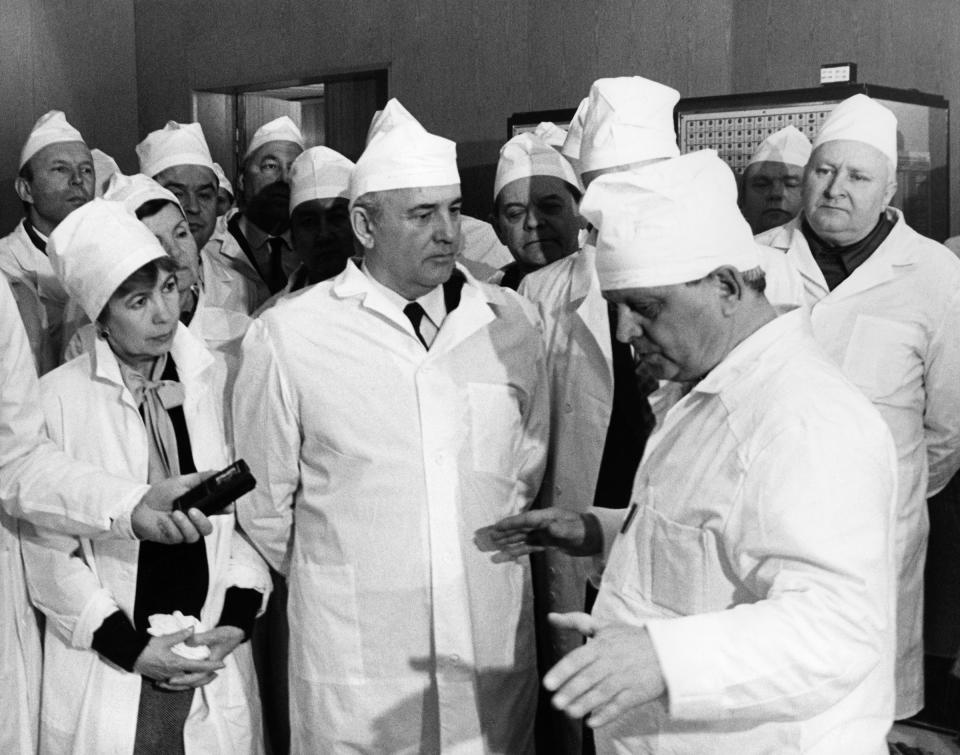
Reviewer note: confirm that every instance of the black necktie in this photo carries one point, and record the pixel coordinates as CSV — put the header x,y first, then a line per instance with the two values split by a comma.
x,y
276,280
415,313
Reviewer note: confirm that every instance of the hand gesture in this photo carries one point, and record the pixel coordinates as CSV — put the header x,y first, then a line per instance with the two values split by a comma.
x,y
615,671
534,531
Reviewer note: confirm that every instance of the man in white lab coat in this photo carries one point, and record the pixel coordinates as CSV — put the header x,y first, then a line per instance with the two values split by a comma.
x,y
747,597
390,412
41,484
255,249
885,306
56,176
770,186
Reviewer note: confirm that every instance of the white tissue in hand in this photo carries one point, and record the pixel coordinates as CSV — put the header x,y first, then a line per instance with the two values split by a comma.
x,y
169,623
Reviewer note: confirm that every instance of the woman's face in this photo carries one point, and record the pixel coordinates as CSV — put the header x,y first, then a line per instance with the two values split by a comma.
x,y
173,233
140,324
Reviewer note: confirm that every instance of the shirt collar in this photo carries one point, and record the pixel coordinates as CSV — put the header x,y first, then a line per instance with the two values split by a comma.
x,y
432,301
257,237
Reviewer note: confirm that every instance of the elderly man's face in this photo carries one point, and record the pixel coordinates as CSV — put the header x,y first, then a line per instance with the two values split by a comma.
x,y
63,180
537,220
321,235
846,186
266,187
196,188
411,247
771,194
677,332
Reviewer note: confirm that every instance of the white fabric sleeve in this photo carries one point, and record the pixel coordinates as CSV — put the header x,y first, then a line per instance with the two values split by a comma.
x,y
941,412
812,541
38,482
63,586
267,435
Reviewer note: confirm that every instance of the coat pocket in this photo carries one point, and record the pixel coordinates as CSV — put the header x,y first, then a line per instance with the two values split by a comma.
x,y
495,427
685,576
884,359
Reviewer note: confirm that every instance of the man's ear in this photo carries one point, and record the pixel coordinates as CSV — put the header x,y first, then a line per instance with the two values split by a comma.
x,y
730,285
891,189
362,225
22,187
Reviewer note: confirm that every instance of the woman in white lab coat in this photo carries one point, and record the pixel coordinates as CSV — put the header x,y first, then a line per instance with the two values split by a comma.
x,y
139,404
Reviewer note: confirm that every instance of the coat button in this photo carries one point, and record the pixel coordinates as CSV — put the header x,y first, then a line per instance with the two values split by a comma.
x,y
568,407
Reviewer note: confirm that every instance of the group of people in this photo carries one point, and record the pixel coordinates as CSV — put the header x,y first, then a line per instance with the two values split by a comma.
x,y
608,472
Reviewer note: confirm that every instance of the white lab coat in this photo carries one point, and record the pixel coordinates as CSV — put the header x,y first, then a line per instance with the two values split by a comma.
x,y
39,294
90,705
40,483
894,328
760,559
230,280
388,457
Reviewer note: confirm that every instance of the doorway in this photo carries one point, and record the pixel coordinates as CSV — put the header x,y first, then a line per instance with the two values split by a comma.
x,y
333,110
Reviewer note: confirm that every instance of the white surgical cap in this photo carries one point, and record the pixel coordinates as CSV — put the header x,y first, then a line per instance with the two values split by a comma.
x,y
671,222
787,145
174,144
861,119
136,190
319,173
104,167
571,143
401,154
628,120
526,155
551,133
96,248
281,129
222,180
50,128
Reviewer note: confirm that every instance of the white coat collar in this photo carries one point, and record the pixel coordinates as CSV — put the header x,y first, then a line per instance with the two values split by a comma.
x,y
778,333
473,312
592,308
190,355
896,252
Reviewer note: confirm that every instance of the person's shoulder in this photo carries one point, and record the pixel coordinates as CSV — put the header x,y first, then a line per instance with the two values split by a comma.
x,y
541,283
780,237
508,303
69,374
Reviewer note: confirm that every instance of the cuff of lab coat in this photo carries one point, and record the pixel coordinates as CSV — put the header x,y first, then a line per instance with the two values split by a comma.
x,y
121,526
97,609
691,690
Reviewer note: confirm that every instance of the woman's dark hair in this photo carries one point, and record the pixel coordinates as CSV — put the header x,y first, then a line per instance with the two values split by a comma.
x,y
152,207
143,277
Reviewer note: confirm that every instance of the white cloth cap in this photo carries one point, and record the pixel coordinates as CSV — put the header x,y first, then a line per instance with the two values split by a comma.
x,y
104,167
401,154
223,181
319,173
281,129
136,190
50,128
667,223
551,133
571,144
628,120
527,155
96,248
787,145
861,119
174,144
